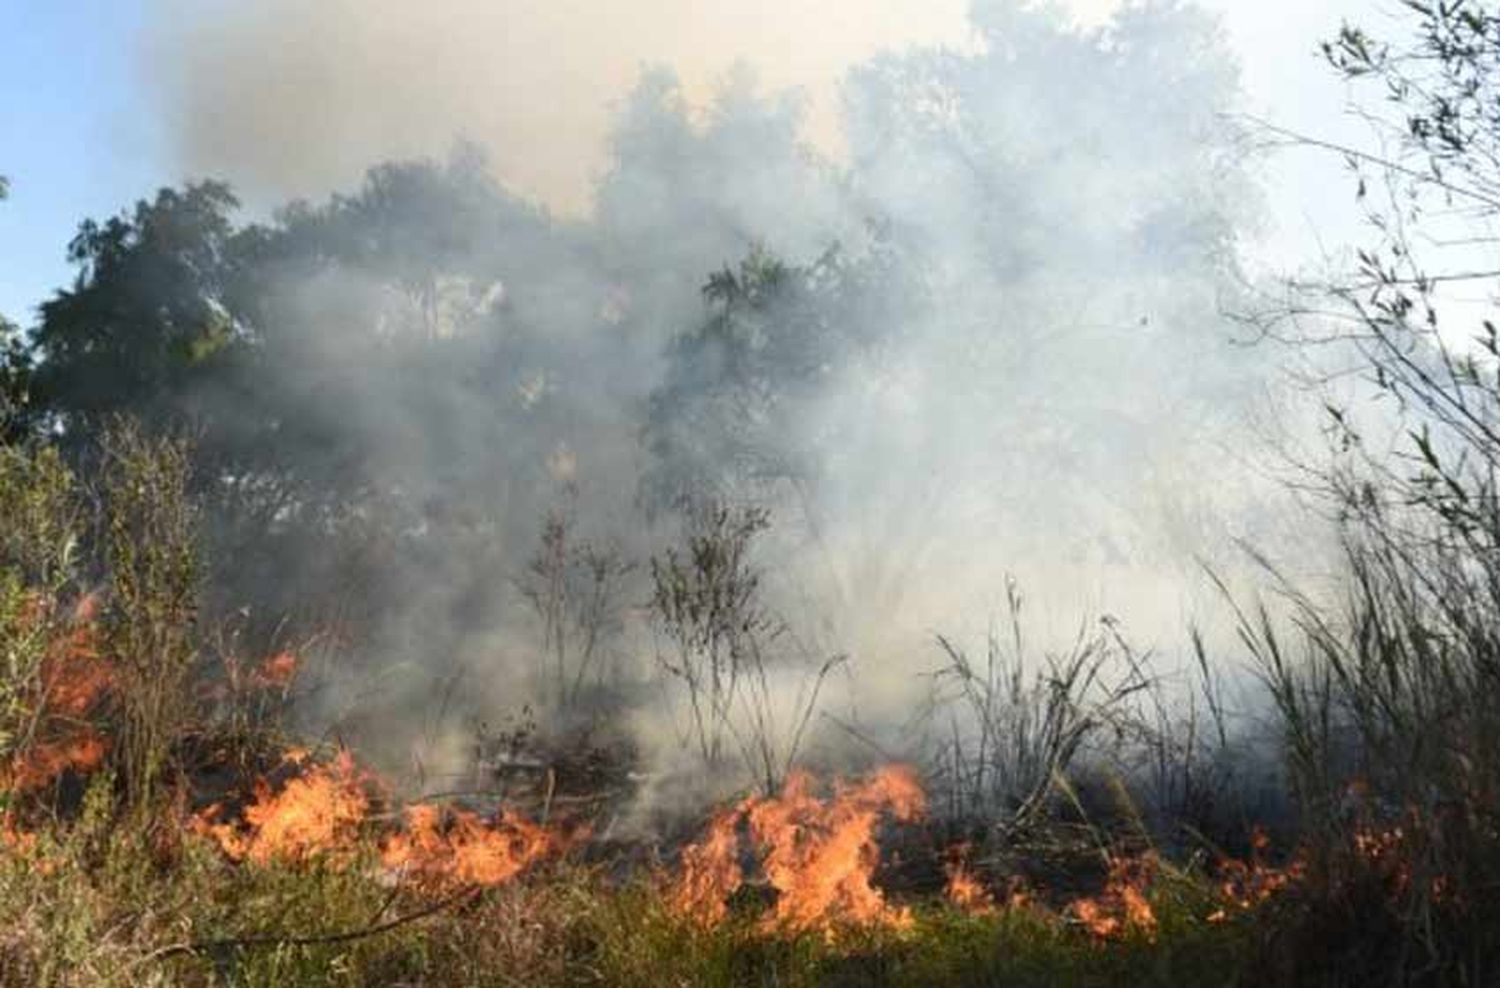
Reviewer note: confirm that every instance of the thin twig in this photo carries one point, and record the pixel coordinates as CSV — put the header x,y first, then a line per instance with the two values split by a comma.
x,y
275,940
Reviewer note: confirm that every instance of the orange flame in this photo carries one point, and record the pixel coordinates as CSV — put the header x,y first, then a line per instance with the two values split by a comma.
x,y
316,813
47,760
1245,885
74,680
466,850
964,890
75,677
710,870
276,672
19,842
823,854
1122,906
820,855
76,684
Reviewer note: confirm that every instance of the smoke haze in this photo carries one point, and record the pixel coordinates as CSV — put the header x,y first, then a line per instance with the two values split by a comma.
x,y
290,98
1027,370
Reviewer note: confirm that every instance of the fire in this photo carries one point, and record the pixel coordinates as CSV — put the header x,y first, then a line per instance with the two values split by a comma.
x,y
1122,906
75,676
823,854
46,760
315,813
964,890
21,843
1246,885
321,812
466,850
818,854
711,870
74,680
276,672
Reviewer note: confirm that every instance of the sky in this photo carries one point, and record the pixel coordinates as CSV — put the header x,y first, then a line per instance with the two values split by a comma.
x,y
100,104
77,135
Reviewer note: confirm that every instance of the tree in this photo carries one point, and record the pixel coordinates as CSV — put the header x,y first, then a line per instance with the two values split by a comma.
x,y
15,368
15,377
146,321
723,420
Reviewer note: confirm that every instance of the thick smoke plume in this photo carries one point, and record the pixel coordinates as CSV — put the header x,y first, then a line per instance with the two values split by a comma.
x,y
983,338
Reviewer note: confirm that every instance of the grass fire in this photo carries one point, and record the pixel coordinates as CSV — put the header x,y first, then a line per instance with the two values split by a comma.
x,y
976,493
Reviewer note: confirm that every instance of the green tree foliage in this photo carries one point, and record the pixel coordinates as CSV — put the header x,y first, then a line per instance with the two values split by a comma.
x,y
728,418
15,367
721,416
15,379
369,406
146,319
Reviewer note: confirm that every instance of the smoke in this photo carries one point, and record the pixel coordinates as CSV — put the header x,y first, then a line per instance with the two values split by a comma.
x,y
289,98
1025,369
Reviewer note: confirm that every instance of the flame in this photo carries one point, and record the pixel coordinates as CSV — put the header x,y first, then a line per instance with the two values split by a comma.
x,y
466,850
74,680
1245,885
964,890
710,870
823,854
819,855
321,811
276,672
1122,906
318,812
46,760
75,677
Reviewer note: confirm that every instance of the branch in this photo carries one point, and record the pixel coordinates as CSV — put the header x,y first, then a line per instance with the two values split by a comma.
x,y
278,940
1375,159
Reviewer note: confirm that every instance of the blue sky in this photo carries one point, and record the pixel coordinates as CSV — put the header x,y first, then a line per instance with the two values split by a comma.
x,y
77,136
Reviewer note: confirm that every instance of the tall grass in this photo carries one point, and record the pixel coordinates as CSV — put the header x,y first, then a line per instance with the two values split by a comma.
x,y
1008,726
1390,711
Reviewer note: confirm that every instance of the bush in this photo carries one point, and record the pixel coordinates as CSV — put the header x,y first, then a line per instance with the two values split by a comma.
x,y
151,554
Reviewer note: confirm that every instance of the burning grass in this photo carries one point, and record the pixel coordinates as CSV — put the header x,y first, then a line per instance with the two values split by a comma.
x,y
312,881
818,855
312,873
204,847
